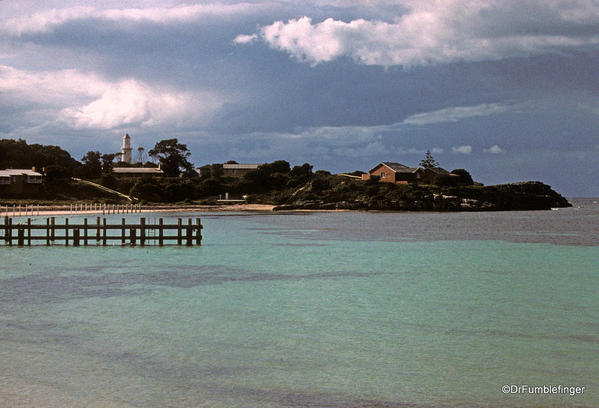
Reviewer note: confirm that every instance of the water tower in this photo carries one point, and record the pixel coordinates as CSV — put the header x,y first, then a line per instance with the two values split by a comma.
x,y
126,149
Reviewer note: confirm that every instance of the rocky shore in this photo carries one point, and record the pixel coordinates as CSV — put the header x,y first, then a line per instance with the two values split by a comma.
x,y
531,195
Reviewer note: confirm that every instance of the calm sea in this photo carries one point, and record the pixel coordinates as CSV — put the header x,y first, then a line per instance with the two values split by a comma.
x,y
311,310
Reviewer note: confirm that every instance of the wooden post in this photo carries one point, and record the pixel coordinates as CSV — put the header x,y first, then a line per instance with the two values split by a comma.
x,y
97,230
132,236
76,237
9,231
198,231
85,232
104,232
142,231
160,233
6,228
28,231
53,228
66,231
122,231
47,231
189,233
179,226
21,236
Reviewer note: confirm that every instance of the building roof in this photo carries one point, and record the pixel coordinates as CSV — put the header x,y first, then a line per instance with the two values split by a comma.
x,y
240,166
437,170
395,167
19,172
137,170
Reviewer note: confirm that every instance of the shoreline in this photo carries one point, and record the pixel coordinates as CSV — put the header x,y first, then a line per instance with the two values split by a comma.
x,y
35,211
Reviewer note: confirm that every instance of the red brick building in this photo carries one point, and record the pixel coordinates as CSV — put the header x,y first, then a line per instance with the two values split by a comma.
x,y
390,172
397,173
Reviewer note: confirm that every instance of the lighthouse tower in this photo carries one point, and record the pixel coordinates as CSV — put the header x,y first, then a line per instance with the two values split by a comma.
x,y
126,149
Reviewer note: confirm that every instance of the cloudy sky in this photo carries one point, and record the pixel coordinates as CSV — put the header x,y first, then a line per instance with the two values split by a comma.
x,y
508,89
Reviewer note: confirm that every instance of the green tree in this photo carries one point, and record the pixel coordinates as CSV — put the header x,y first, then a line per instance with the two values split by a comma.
x,y
464,177
92,165
172,156
429,161
300,175
108,162
17,154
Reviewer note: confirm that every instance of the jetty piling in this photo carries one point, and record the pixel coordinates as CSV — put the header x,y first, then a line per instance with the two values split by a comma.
x,y
28,233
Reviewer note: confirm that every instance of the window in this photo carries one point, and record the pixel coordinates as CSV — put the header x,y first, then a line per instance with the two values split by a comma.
x,y
383,174
34,179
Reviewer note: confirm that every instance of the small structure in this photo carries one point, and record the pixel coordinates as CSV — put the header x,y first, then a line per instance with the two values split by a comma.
x,y
137,171
431,174
126,149
235,170
204,170
391,172
238,170
17,181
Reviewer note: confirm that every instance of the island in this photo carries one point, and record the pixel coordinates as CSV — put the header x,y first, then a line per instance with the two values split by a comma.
x,y
38,174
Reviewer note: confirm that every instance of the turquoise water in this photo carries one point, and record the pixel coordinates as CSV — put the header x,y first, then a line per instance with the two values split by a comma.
x,y
317,310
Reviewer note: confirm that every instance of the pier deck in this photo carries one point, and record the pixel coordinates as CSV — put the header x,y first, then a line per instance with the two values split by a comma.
x,y
100,233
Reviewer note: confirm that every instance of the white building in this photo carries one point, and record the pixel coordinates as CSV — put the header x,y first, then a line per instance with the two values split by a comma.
x,y
126,150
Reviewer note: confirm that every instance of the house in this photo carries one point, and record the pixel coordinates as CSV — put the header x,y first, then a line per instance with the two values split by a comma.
x,y
397,173
226,170
17,181
238,170
137,171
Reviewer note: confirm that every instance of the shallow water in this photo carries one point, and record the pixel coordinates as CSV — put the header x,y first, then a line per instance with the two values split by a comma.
x,y
311,310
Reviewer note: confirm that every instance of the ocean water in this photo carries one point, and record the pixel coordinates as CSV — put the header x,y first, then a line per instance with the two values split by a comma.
x,y
311,310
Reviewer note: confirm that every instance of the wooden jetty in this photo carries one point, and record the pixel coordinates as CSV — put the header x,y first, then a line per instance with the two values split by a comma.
x,y
100,233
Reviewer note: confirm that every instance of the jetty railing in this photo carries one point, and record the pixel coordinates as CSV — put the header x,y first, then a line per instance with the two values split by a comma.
x,y
100,233
18,210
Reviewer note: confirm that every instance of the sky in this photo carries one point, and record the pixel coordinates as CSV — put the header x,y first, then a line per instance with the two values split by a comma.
x,y
507,89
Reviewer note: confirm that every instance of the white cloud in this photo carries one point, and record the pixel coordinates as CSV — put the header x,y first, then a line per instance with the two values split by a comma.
x,y
466,149
85,100
494,150
53,88
133,102
47,20
434,32
244,39
454,114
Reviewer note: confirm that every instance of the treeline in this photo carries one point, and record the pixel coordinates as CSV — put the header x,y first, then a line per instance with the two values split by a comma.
x,y
273,183
270,182
58,163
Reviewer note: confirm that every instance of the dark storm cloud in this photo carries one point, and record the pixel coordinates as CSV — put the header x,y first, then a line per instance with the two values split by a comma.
x,y
479,83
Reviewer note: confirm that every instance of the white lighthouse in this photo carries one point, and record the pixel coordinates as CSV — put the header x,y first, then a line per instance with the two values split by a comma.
x,y
126,149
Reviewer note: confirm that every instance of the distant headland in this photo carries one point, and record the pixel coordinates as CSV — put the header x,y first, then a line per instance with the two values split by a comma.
x,y
48,174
